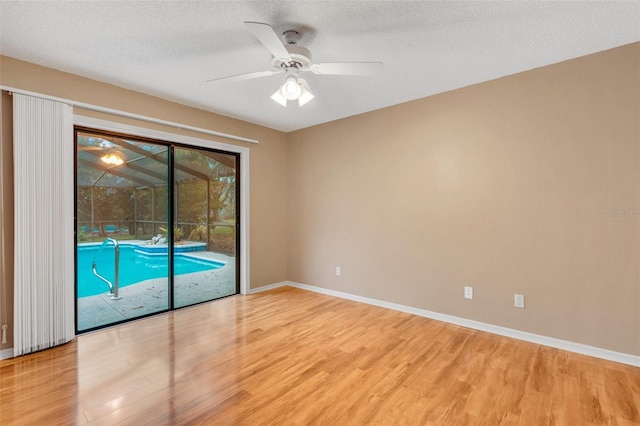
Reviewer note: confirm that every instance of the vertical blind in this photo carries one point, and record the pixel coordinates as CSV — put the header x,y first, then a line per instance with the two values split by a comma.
x,y
43,248
4,303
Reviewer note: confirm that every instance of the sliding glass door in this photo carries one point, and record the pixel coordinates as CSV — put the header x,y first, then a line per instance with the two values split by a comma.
x,y
155,226
121,204
204,226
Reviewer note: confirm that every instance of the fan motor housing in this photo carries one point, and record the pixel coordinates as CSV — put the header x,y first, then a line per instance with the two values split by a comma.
x,y
300,58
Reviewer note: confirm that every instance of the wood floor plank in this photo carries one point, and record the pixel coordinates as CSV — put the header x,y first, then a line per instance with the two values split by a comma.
x,y
292,357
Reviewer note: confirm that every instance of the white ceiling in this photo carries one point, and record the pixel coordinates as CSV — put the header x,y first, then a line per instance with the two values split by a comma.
x,y
170,48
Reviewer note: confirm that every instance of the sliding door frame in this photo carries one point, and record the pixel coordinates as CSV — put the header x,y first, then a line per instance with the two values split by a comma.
x,y
242,206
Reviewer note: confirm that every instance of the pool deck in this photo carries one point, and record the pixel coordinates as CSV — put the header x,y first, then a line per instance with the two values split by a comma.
x,y
151,296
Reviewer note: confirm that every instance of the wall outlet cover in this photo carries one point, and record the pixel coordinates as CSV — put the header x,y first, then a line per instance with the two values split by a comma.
x,y
468,292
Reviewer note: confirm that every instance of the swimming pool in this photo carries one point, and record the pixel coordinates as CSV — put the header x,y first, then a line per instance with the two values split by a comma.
x,y
134,267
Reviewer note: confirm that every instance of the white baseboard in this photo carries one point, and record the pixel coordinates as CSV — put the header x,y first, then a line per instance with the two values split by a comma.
x,y
268,287
476,325
6,353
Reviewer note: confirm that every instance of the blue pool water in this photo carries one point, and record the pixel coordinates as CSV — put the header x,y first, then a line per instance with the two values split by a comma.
x,y
134,267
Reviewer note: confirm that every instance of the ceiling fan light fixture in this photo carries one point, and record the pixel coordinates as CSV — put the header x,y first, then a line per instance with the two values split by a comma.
x,y
279,98
113,158
291,88
305,93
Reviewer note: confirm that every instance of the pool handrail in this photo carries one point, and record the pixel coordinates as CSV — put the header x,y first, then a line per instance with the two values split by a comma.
x,y
113,287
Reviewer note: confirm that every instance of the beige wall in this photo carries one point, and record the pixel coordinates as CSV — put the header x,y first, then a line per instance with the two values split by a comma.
x,y
503,186
268,188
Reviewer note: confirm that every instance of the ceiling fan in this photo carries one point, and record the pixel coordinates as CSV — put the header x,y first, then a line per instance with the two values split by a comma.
x,y
292,60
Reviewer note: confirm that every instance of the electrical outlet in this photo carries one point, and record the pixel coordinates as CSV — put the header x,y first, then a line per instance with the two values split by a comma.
x,y
338,271
518,300
468,292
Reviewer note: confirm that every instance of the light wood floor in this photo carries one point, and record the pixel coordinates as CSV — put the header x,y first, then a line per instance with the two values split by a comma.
x,y
291,357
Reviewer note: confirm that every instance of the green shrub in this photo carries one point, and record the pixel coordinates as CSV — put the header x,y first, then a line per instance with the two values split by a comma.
x,y
198,234
84,235
177,234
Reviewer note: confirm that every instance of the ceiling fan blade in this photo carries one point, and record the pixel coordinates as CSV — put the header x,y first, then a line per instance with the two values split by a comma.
x,y
269,39
348,68
247,76
91,148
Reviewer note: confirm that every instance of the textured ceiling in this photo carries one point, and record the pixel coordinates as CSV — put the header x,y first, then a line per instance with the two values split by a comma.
x,y
170,48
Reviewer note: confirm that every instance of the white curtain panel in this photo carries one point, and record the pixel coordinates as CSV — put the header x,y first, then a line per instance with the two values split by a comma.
x,y
44,257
